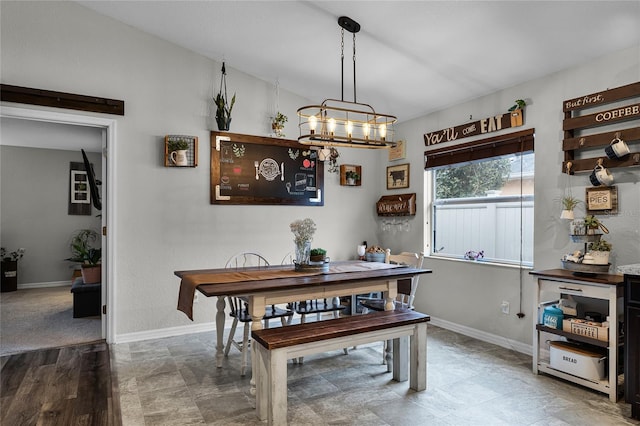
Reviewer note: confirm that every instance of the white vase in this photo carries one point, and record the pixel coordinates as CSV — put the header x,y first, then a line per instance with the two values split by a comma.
x,y
303,252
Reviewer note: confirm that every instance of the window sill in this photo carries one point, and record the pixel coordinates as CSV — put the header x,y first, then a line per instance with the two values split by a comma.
x,y
481,262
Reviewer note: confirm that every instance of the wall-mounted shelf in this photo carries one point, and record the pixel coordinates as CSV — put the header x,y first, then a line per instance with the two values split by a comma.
x,y
397,205
573,126
344,168
192,150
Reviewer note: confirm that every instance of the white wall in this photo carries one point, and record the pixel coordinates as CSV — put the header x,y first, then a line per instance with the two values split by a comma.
x,y
34,188
469,294
164,221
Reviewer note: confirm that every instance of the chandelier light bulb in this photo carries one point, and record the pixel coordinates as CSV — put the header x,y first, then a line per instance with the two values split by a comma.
x,y
383,131
313,122
349,127
332,126
365,130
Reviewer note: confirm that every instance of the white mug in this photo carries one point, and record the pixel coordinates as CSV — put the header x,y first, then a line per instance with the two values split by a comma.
x,y
617,149
179,158
601,176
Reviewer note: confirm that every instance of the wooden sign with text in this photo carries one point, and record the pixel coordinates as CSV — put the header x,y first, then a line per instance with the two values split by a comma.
x,y
487,125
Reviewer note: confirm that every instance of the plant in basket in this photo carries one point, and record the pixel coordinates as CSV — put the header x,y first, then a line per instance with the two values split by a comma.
x,y
318,255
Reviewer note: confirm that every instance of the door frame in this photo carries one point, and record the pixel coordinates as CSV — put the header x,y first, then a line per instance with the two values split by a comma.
x,y
108,212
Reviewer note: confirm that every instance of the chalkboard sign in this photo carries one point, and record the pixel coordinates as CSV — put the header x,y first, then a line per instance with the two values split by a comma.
x,y
249,169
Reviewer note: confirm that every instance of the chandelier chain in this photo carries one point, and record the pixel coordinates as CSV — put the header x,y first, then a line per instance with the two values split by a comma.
x,y
342,64
354,68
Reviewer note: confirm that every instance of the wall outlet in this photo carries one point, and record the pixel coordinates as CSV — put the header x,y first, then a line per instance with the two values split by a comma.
x,y
196,297
504,307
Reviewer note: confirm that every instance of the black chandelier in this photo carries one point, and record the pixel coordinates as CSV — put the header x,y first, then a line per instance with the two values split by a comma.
x,y
343,123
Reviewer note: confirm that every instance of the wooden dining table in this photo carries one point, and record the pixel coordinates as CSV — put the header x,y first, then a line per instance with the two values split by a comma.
x,y
268,285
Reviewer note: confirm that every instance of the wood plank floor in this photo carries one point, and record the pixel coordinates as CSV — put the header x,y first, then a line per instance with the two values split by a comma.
x,y
70,385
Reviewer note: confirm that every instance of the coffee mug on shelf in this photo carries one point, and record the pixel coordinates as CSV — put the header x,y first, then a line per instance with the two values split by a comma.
x,y
617,149
601,176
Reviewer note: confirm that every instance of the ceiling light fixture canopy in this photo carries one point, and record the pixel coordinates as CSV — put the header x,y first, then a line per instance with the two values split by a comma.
x,y
342,123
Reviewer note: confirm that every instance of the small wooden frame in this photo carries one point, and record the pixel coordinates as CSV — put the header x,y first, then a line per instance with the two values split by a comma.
x,y
397,205
398,176
344,168
192,151
601,200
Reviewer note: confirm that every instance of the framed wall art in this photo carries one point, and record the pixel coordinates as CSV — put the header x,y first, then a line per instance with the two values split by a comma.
x,y
398,176
398,152
602,200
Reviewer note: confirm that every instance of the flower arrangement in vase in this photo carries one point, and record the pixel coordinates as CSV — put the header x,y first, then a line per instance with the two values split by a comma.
x,y
303,230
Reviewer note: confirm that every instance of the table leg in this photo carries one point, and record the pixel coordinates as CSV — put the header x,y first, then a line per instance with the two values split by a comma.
x,y
256,310
390,295
220,317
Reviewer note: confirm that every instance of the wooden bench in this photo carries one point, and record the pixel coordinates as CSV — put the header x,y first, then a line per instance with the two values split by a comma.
x,y
274,346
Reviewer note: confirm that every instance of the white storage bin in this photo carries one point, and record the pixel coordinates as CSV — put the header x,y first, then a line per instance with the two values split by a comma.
x,y
577,361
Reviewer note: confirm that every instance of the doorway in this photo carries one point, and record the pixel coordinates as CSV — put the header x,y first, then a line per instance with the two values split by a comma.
x,y
106,130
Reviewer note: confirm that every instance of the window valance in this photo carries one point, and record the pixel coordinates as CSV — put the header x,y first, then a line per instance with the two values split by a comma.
x,y
511,143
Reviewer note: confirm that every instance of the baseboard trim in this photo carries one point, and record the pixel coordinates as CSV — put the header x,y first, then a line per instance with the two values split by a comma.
x,y
211,326
484,336
164,332
44,285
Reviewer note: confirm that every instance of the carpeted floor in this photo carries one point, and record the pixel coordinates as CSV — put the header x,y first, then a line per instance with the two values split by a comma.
x,y
40,318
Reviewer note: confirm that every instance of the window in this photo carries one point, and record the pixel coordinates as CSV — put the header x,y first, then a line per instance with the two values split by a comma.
x,y
485,205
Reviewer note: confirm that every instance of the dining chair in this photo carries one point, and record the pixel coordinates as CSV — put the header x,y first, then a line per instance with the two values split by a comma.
x,y
406,287
239,309
315,306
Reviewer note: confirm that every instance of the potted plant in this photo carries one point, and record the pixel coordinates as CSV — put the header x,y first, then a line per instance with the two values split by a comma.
x,y
591,223
352,177
9,264
84,251
599,251
568,204
223,106
318,255
178,145
277,124
178,151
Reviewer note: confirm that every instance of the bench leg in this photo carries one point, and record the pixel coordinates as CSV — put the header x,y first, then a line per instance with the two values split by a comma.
x,y
400,359
262,381
418,358
277,409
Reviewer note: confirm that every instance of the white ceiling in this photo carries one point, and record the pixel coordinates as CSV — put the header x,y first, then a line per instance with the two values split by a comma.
x,y
413,57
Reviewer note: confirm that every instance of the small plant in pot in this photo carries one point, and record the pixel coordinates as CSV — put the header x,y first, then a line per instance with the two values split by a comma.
x,y
352,177
592,224
84,251
318,255
599,252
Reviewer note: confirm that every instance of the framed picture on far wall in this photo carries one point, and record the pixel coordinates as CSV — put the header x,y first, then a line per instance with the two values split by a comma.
x,y
398,176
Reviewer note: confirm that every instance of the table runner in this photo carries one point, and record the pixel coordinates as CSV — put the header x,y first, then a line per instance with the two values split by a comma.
x,y
189,283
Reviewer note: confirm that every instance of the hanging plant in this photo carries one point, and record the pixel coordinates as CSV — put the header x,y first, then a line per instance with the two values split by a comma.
x,y
223,106
333,160
277,123
569,202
